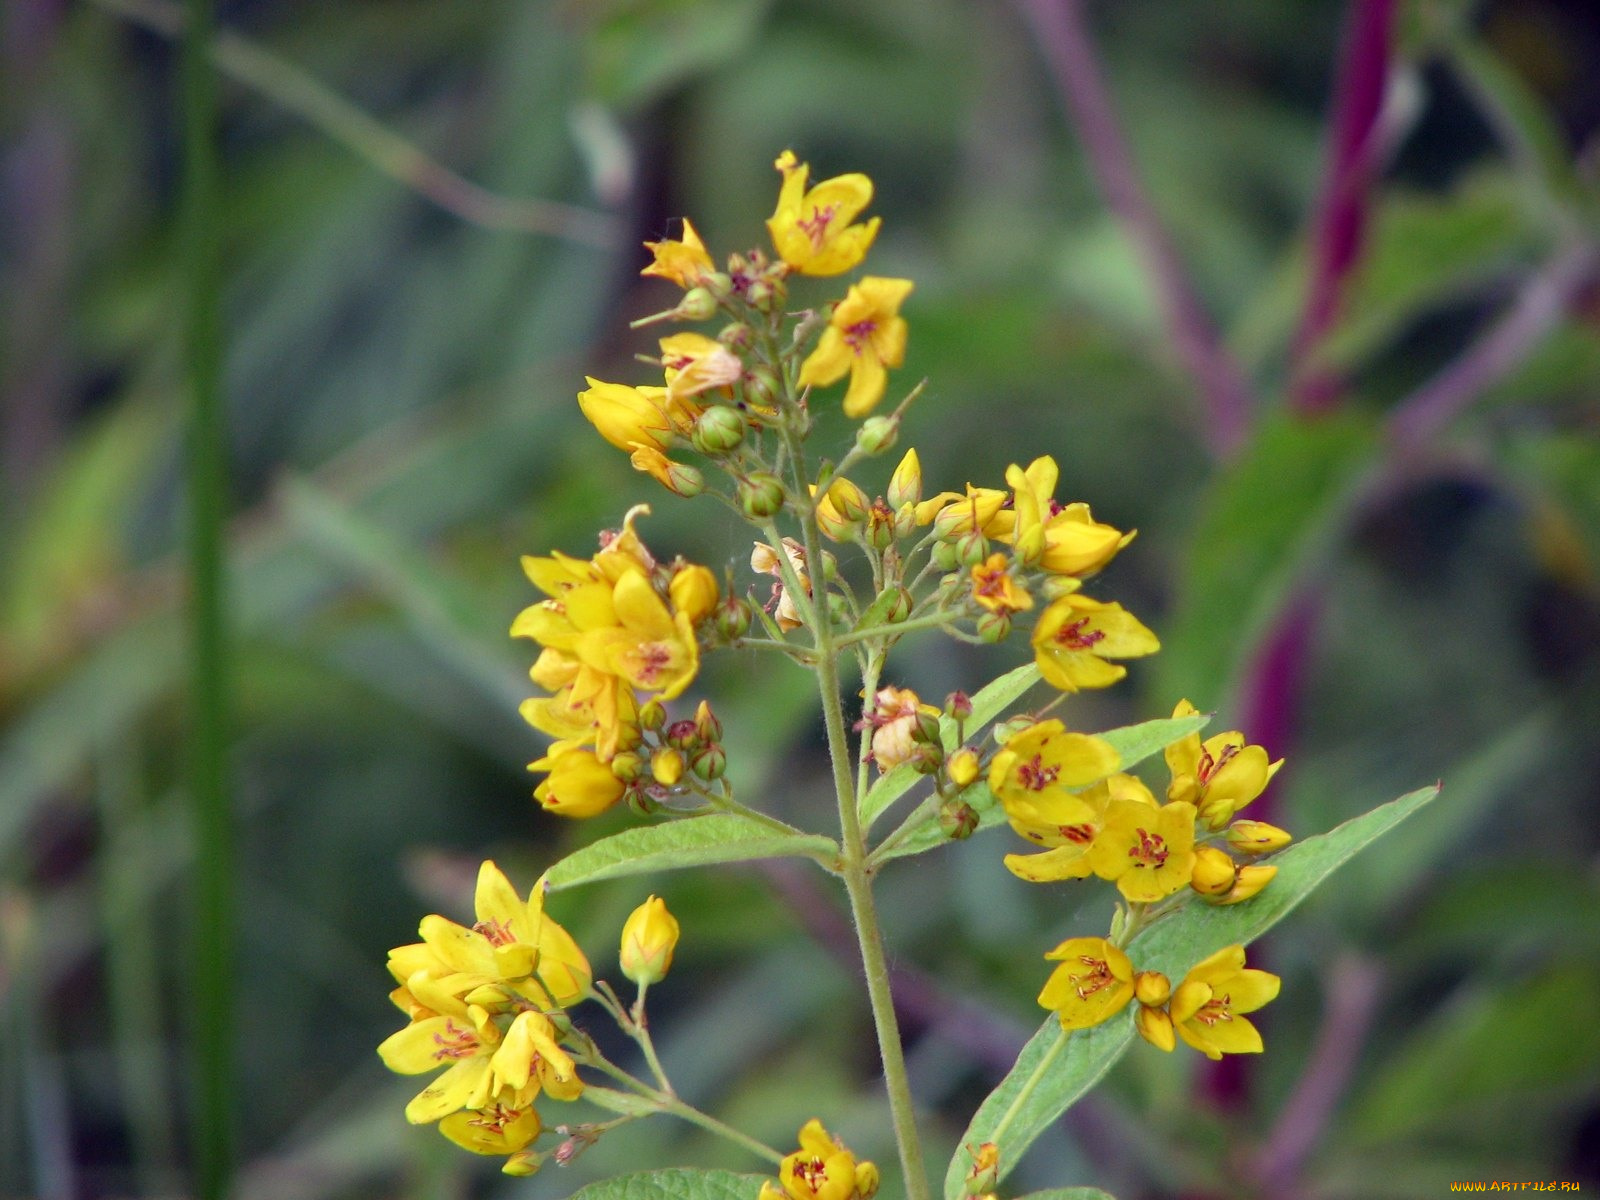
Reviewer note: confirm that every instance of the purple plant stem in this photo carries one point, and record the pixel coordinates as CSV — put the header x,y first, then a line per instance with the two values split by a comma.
x,y
1269,716
1340,214
1354,989
1063,37
1538,308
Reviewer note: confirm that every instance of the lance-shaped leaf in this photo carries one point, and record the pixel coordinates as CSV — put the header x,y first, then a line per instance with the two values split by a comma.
x,y
677,1183
690,842
989,702
1133,744
1055,1068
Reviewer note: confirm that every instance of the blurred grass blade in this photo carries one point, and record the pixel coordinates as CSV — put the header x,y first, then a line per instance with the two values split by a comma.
x,y
440,609
208,698
1055,1068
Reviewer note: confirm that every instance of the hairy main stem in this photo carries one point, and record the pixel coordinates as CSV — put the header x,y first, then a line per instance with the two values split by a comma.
x,y
854,869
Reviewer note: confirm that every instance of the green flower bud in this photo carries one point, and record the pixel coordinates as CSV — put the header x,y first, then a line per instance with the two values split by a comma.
x,y
994,627
761,496
718,430
958,819
698,304
878,434
709,762
733,618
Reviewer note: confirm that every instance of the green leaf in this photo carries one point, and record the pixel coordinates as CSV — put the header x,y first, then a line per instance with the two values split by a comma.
x,y
1055,1068
987,704
690,842
1080,1193
1246,555
1133,744
677,1183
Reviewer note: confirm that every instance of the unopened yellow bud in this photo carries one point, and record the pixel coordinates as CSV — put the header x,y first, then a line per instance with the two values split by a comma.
x,y
841,510
1214,871
866,1180
905,485
963,767
648,939
1151,988
523,1162
694,592
1257,837
666,766
1155,1026
1250,882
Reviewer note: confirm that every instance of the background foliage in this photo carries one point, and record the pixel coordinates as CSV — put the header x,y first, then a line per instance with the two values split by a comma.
x,y
1391,578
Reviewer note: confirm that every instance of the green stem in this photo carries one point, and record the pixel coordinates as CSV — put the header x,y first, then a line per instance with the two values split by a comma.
x,y
933,621
857,875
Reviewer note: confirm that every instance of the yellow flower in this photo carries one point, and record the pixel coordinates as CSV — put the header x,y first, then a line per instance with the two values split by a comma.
x,y
579,784
811,228
1218,776
649,937
495,1129
684,262
1062,539
957,513
995,589
695,363
822,1169
865,336
1208,1007
1044,762
1149,853
1076,635
1061,824
627,417
648,646
1093,983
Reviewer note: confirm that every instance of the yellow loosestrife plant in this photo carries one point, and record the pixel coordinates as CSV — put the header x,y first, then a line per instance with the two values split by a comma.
x,y
496,1011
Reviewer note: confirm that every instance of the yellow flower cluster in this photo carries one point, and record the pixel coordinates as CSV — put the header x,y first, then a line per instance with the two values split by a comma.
x,y
486,1003
1054,547
612,629
822,1169
1059,791
1096,980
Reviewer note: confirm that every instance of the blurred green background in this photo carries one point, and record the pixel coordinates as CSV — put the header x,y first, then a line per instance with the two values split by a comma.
x,y
1385,608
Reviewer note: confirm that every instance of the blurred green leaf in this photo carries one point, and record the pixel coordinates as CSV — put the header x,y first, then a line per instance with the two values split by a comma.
x,y
1076,1193
1247,551
987,704
1133,744
689,842
1056,1067
1428,251
1495,1046
643,48
628,1104
675,1184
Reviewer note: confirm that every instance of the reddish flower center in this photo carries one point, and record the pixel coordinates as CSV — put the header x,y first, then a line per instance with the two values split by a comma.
x,y
1214,1010
1077,635
1079,835
495,1118
1035,776
1097,978
1208,766
455,1042
816,225
1150,851
859,334
498,932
